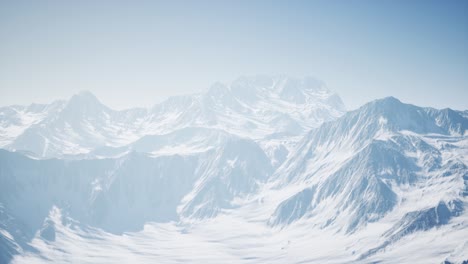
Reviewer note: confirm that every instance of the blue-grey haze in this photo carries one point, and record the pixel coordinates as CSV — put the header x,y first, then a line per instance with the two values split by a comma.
x,y
134,53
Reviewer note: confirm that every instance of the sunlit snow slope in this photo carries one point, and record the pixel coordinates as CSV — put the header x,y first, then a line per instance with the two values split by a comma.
x,y
272,110
263,170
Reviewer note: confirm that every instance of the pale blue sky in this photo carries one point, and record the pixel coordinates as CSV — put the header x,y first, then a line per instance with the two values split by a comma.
x,y
134,53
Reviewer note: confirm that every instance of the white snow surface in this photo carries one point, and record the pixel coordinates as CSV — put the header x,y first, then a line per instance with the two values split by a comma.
x,y
263,108
263,170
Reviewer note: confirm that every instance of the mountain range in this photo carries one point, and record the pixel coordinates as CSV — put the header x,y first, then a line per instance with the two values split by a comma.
x,y
267,169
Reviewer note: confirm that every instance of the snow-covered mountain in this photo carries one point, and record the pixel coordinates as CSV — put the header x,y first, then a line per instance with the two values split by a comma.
x,y
385,162
272,110
265,169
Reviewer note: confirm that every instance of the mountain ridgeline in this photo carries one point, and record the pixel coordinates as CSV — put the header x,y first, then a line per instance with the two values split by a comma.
x,y
273,152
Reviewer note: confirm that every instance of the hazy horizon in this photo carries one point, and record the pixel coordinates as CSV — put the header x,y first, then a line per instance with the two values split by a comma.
x,y
162,99
137,54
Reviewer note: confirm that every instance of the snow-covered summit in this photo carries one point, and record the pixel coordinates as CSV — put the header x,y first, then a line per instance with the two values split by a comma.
x,y
83,103
252,107
273,158
387,162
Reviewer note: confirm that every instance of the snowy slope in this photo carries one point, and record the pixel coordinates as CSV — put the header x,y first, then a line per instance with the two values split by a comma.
x,y
385,162
272,110
121,194
231,176
82,124
14,120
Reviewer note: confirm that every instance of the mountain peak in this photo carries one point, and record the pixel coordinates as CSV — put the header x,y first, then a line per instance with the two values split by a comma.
x,y
84,96
217,89
385,106
83,102
291,89
388,101
401,116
